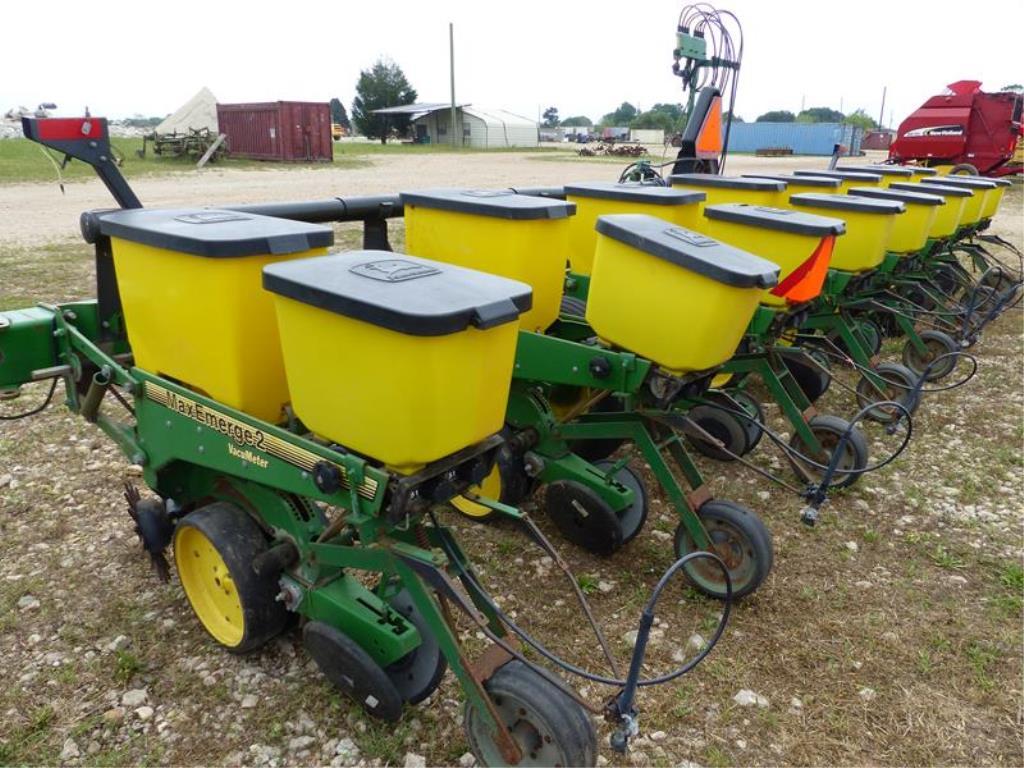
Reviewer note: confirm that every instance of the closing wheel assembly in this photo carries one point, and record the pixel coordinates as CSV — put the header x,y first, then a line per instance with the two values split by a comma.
x,y
548,727
721,425
812,380
937,344
417,674
352,670
214,548
753,426
739,538
828,430
899,387
631,520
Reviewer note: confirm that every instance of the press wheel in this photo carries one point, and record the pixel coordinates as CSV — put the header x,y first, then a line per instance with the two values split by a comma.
x,y
828,430
812,380
754,425
739,538
722,426
899,387
549,727
417,674
937,344
632,519
214,548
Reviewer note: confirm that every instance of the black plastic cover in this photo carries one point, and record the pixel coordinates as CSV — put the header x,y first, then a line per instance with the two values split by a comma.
x,y
807,181
921,170
726,182
847,203
971,177
403,293
777,219
690,250
932,189
961,181
847,175
214,233
497,203
903,196
634,192
883,170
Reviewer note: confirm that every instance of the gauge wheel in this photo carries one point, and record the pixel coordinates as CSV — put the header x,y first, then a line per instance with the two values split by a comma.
x,y
899,388
739,538
632,520
214,548
812,380
549,727
722,426
937,344
828,430
583,517
753,426
417,674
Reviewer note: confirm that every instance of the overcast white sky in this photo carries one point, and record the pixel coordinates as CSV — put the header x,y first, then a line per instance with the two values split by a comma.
x,y
121,57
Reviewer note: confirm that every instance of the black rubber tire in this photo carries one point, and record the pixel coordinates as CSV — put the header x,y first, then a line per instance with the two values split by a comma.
x,y
352,670
900,391
238,540
741,540
871,334
536,713
754,425
573,307
632,519
417,674
583,517
722,426
831,428
813,381
964,169
938,344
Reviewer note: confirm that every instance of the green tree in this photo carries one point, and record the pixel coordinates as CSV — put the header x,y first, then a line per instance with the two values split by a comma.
x,y
776,116
733,118
339,115
550,117
577,121
1013,88
820,115
624,115
382,85
861,119
652,119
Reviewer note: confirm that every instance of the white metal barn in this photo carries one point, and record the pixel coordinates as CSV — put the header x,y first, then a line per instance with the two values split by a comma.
x,y
481,127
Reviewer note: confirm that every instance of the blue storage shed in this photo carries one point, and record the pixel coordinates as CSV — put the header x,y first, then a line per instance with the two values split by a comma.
x,y
801,138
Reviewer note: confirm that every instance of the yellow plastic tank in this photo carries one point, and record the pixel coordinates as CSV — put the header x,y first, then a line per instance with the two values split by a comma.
x,y
995,196
798,185
189,282
993,190
672,295
497,231
947,219
594,199
889,173
730,189
975,203
800,243
847,179
401,359
869,226
911,231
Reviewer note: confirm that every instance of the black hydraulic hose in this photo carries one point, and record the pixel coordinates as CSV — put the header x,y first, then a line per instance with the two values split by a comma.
x,y
36,410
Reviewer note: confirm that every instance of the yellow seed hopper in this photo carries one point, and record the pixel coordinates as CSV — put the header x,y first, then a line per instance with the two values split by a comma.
x,y
401,359
731,189
869,226
949,216
911,231
889,173
980,189
797,185
847,179
189,282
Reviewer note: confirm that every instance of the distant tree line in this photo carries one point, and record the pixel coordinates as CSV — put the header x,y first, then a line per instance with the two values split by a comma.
x,y
858,117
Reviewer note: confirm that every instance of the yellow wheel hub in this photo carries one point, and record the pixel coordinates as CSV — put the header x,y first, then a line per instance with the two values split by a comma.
x,y
208,586
490,487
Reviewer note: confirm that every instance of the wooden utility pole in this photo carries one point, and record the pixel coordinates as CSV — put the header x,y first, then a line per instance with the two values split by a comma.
x,y
451,59
881,112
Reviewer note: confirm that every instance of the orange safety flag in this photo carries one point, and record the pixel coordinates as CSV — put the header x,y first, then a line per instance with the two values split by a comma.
x,y
804,283
709,140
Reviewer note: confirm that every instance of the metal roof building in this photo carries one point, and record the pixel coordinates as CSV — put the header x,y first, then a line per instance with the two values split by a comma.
x,y
479,127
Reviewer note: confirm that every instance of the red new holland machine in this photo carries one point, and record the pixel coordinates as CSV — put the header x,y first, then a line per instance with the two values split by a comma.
x,y
974,132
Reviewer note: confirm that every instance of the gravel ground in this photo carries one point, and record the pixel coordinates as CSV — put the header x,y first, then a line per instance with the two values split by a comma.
x,y
890,634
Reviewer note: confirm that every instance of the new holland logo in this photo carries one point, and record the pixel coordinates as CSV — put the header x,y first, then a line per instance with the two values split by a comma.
x,y
247,437
935,130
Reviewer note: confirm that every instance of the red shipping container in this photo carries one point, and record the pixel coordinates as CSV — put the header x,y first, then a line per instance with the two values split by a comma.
x,y
293,131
